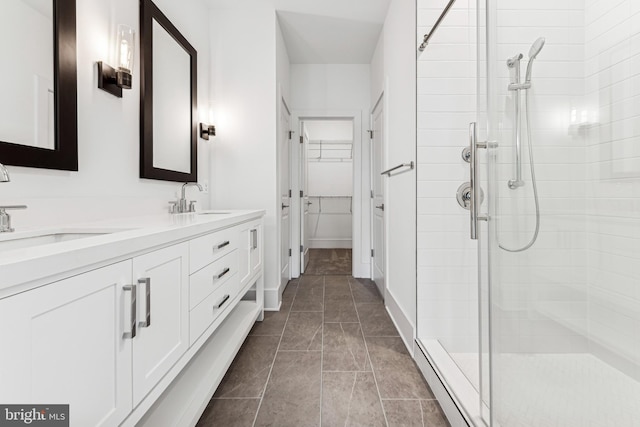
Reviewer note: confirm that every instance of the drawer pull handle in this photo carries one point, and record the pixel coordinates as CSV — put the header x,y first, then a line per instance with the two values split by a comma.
x,y
222,245
224,272
131,334
254,239
147,298
224,300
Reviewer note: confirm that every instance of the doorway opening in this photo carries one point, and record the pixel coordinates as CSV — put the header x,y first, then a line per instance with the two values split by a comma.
x,y
326,182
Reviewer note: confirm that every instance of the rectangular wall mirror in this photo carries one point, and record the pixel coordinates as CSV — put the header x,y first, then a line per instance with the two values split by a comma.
x,y
38,107
168,145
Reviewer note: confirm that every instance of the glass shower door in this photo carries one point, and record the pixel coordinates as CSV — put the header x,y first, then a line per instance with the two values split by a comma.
x,y
563,200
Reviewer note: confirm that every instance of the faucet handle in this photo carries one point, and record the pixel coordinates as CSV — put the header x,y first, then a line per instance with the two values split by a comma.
x,y
192,205
173,204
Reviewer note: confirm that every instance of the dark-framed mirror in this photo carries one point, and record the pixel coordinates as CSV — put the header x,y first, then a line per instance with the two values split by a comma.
x,y
168,92
39,106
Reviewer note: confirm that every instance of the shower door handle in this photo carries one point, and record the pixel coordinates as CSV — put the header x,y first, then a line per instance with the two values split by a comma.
x,y
475,199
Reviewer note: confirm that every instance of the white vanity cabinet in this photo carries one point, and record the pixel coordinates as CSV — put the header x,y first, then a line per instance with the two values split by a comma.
x,y
63,343
138,335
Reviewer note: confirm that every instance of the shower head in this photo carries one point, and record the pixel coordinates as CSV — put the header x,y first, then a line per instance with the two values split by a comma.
x,y
536,47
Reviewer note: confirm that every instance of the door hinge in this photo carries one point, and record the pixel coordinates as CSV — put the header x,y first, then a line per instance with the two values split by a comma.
x,y
290,134
371,253
372,194
370,134
289,252
301,140
301,248
289,193
301,193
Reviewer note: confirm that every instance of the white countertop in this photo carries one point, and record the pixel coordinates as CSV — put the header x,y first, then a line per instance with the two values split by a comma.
x,y
25,268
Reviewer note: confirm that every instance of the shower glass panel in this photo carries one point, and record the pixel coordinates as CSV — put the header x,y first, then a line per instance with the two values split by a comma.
x,y
564,280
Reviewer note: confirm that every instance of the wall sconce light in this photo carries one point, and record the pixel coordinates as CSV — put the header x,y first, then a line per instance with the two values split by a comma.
x,y
206,131
113,80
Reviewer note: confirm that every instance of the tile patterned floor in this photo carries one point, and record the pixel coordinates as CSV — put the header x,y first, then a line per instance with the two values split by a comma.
x,y
330,357
329,262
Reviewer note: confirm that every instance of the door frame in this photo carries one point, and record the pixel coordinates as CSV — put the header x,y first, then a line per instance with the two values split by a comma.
x,y
381,100
361,242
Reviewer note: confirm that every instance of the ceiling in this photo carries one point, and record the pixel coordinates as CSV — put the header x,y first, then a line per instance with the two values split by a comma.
x,y
325,31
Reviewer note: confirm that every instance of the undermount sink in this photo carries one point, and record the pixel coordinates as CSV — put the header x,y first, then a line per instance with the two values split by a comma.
x,y
213,213
30,239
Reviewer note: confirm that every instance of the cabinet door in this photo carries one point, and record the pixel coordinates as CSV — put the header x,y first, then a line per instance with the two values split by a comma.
x,y
250,251
256,249
163,299
63,344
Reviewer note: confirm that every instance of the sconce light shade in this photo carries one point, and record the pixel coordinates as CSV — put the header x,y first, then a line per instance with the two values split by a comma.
x,y
126,49
113,80
206,131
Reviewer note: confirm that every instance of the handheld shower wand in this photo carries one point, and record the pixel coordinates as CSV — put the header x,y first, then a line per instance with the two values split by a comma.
x,y
517,86
536,47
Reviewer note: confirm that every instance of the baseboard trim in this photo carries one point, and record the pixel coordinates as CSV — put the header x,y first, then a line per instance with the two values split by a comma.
x,y
401,321
330,243
272,299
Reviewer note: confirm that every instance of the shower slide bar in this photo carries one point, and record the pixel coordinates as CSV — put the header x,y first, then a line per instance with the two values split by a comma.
x,y
427,36
410,165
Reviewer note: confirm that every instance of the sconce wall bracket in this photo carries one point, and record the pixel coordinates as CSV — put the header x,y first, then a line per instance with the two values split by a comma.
x,y
207,131
107,80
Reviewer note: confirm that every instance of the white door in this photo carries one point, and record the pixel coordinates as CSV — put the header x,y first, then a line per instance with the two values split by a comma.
x,y
163,300
304,201
284,142
377,199
64,344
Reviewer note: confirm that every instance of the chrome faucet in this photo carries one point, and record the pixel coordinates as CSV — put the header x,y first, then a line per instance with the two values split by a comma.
x,y
4,174
5,218
180,206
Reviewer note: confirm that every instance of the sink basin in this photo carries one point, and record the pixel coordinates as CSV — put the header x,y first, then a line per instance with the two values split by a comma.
x,y
29,239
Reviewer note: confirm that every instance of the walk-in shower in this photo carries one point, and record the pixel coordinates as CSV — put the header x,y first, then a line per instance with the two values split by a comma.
x,y
547,332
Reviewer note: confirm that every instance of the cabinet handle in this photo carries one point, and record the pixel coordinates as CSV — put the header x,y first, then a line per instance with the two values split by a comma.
x,y
223,301
131,334
222,245
224,272
254,239
147,285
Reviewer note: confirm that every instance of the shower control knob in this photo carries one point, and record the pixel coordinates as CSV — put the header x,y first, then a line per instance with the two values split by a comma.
x,y
463,195
466,154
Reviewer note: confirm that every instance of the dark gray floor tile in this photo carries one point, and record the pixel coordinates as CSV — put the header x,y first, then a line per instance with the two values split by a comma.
x,y
375,320
432,414
310,296
339,308
350,399
308,282
288,294
396,373
303,332
273,323
292,397
344,348
229,412
329,262
364,290
249,371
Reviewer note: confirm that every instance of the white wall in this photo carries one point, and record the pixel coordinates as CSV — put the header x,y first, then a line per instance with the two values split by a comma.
x,y
244,168
107,184
341,90
394,70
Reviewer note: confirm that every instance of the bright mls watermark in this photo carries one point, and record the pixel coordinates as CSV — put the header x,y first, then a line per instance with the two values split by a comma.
x,y
34,415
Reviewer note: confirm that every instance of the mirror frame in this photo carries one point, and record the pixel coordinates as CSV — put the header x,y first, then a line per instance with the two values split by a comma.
x,y
65,154
149,12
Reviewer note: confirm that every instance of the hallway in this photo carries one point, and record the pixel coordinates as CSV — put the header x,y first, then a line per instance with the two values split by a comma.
x,y
355,371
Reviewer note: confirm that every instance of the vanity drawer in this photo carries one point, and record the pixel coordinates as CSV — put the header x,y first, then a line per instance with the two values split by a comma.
x,y
205,313
209,248
208,279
